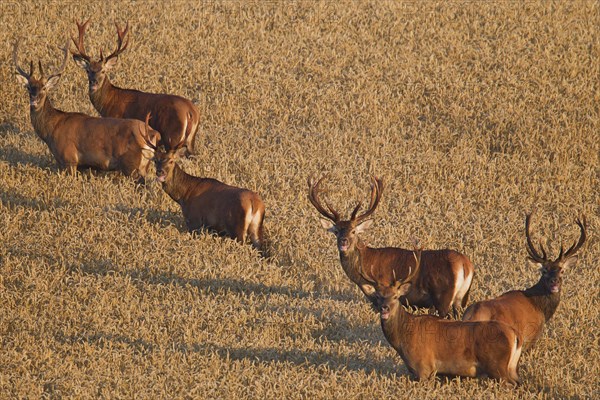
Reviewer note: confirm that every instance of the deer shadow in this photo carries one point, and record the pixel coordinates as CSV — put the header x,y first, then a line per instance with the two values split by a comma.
x,y
15,156
301,358
13,199
213,286
163,218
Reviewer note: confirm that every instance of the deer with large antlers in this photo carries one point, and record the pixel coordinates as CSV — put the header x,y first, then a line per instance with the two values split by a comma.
x,y
431,345
176,118
78,140
443,281
210,204
529,310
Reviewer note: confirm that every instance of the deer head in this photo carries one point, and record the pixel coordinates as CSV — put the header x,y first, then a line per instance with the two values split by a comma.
x,y
346,231
164,161
96,70
388,296
38,88
551,270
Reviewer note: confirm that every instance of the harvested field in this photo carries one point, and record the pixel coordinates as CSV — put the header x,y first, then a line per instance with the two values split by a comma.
x,y
473,113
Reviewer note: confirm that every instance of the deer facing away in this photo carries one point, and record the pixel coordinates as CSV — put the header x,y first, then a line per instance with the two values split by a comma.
x,y
431,345
176,118
78,140
444,279
528,310
208,203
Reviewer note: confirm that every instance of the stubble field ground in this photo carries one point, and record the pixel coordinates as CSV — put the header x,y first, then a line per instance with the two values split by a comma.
x,y
474,113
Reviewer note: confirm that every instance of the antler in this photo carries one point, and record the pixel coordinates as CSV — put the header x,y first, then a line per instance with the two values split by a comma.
x,y
313,196
417,255
376,189
573,249
64,64
145,135
79,43
19,70
533,254
120,47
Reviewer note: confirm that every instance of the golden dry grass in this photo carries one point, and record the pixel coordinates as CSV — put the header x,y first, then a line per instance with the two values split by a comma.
x,y
474,113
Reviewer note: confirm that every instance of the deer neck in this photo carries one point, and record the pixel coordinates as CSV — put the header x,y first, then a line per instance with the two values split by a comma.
x,y
543,299
105,99
397,329
179,184
352,261
45,119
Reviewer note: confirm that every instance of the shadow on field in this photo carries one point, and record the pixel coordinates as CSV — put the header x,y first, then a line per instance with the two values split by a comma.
x,y
301,358
156,217
14,155
104,267
15,199
102,339
388,368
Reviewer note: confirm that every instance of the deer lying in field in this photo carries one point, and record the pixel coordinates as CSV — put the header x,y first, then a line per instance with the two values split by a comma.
x,y
176,118
444,279
207,203
78,140
431,345
528,310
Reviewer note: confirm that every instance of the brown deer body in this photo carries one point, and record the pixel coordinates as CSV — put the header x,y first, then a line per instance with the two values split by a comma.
x,y
445,276
78,140
527,311
431,345
208,203
176,118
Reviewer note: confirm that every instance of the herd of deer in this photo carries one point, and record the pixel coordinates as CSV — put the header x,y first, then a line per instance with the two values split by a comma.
x,y
137,127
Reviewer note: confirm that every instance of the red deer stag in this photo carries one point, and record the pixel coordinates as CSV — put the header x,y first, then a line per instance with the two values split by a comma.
x,y
207,203
444,279
78,140
176,118
431,345
528,310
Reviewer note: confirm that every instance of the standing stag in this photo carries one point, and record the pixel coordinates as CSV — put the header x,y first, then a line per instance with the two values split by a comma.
x,y
176,118
207,203
528,310
78,140
443,281
431,345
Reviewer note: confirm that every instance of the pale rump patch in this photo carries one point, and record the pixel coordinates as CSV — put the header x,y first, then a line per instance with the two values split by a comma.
x,y
515,354
462,286
247,222
183,131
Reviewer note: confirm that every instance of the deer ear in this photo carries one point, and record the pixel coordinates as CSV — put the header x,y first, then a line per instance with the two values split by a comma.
x,y
81,62
404,288
534,263
181,151
22,80
110,63
52,81
364,226
570,262
329,225
148,153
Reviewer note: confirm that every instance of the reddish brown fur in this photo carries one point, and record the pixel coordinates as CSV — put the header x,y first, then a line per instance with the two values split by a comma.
x,y
78,140
434,287
431,345
207,203
528,310
175,117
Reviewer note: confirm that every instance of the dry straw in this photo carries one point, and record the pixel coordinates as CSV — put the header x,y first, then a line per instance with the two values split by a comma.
x,y
473,113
